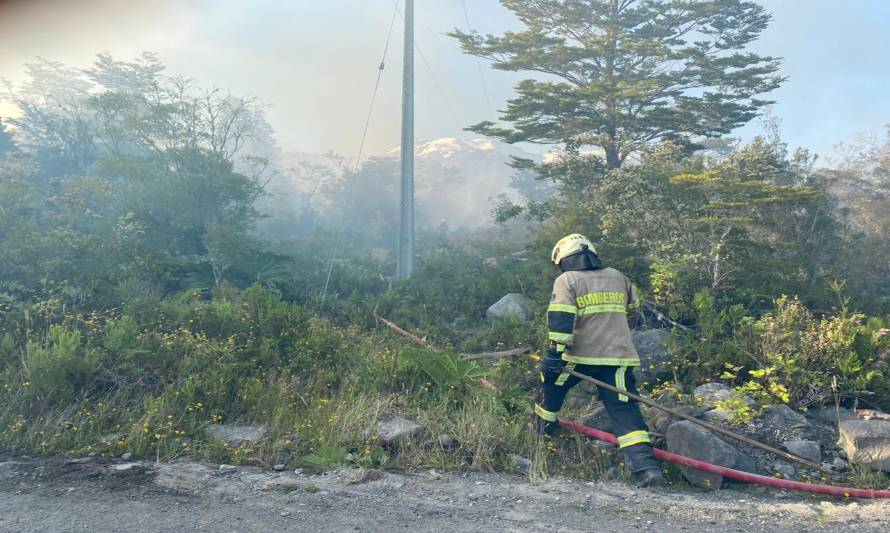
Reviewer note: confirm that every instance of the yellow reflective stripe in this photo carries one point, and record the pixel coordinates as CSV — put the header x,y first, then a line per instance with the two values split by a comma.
x,y
620,384
560,348
603,308
549,416
561,380
604,361
563,308
562,338
634,437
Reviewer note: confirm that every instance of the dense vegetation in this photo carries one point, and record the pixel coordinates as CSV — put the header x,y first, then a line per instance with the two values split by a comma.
x,y
137,301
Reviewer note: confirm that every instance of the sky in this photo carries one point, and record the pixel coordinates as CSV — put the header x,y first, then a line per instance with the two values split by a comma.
x,y
313,63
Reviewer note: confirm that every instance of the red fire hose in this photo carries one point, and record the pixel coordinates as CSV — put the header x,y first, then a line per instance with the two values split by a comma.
x,y
845,492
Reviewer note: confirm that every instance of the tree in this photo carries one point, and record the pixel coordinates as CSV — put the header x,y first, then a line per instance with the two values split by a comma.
x,y
7,146
621,74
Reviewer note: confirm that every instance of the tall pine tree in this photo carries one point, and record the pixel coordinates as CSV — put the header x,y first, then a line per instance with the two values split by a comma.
x,y
621,74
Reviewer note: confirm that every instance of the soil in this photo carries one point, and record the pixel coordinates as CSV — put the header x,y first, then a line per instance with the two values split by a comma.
x,y
96,495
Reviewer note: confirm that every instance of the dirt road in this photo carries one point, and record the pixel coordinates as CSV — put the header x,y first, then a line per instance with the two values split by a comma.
x,y
97,496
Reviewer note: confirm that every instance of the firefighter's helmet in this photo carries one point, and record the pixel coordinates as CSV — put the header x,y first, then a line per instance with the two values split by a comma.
x,y
569,245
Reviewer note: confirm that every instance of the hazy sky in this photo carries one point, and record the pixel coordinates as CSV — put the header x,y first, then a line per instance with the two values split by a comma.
x,y
313,62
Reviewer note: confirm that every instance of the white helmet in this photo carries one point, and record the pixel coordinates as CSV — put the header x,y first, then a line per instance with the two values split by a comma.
x,y
569,245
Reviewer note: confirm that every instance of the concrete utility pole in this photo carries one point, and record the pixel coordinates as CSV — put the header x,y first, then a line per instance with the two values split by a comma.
x,y
406,225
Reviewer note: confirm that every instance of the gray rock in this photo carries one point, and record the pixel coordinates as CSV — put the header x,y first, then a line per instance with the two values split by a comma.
x,y
127,456
711,393
691,440
808,449
443,441
238,435
521,464
785,470
279,467
831,414
397,429
866,442
512,305
718,415
111,438
227,468
598,419
654,357
838,464
782,416
129,468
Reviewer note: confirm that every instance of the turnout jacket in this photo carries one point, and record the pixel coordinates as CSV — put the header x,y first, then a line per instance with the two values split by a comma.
x,y
587,317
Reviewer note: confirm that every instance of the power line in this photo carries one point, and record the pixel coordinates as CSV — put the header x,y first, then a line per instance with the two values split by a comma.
x,y
432,75
361,148
478,62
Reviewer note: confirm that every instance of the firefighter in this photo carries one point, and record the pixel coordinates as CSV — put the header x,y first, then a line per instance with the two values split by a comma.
x,y
589,333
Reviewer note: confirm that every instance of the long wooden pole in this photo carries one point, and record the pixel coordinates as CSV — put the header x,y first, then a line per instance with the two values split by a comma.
x,y
712,427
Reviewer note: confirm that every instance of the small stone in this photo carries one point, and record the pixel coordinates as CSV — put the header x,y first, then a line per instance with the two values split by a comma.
x,y
126,456
279,468
397,429
521,464
787,471
227,468
128,467
838,464
808,449
237,435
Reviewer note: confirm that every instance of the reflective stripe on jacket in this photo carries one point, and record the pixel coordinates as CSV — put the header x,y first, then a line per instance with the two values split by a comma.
x,y
588,313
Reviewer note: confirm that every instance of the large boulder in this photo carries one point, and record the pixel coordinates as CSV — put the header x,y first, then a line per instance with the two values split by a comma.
x,y
238,435
511,305
711,393
866,442
397,429
654,356
691,440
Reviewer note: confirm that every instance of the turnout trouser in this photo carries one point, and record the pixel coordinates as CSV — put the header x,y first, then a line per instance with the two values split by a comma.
x,y
627,420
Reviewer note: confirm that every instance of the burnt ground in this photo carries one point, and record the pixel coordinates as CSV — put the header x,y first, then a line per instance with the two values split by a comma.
x,y
59,495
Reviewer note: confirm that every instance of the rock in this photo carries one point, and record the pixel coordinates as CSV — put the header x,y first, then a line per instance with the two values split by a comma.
x,y
490,262
112,438
363,475
718,415
866,442
279,467
237,435
227,468
127,456
838,464
661,421
808,449
785,470
691,440
598,419
512,305
654,357
710,394
443,441
521,464
831,414
783,416
397,429
129,468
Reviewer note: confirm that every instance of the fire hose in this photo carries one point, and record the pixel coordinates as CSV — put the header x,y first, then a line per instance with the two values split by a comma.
x,y
832,490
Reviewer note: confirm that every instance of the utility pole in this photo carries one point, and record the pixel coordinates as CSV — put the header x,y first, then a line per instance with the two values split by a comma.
x,y
406,224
